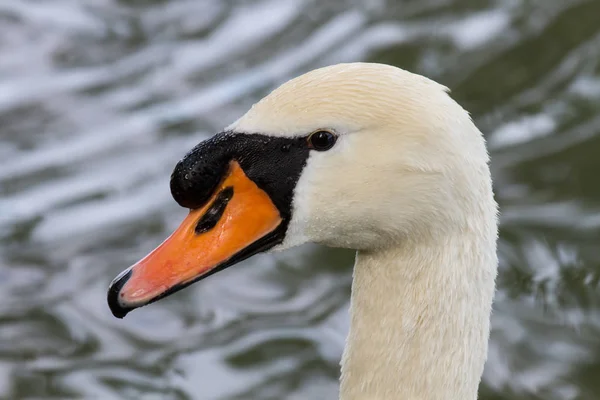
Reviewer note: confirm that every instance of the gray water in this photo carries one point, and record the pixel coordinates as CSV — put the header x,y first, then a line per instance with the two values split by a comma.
x,y
98,101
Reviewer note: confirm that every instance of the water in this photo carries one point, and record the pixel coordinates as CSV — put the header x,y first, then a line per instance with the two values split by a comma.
x,y
98,100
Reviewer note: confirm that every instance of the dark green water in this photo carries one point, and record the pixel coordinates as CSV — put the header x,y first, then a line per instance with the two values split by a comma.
x,y
99,99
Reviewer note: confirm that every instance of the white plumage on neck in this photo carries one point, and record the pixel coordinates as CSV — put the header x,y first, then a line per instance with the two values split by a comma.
x,y
420,320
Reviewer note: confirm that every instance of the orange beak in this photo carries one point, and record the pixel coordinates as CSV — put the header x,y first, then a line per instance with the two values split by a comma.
x,y
234,224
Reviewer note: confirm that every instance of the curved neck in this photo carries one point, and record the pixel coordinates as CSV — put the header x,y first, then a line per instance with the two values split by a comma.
x,y
420,320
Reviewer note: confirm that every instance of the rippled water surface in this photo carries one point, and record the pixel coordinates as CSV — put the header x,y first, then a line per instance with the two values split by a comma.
x,y
99,99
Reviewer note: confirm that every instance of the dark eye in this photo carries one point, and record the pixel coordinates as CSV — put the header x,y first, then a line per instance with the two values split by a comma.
x,y
321,140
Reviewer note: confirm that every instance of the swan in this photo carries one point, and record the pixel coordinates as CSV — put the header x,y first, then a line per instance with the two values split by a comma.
x,y
362,156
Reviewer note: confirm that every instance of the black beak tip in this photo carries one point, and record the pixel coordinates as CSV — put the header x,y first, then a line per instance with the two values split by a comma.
x,y
114,290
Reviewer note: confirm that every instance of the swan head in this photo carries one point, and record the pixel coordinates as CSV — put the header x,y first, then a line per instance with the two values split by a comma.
x,y
358,156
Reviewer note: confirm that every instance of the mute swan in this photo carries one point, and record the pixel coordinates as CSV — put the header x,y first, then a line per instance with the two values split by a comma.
x,y
362,156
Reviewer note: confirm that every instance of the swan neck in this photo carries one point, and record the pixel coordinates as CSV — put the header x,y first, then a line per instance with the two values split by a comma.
x,y
420,320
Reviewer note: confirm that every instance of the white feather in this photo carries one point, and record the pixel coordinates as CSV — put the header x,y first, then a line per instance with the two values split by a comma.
x,y
408,185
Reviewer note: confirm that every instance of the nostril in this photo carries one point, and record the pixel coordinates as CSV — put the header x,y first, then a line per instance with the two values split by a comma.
x,y
215,212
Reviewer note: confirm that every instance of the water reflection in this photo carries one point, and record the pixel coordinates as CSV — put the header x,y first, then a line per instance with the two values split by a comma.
x,y
98,102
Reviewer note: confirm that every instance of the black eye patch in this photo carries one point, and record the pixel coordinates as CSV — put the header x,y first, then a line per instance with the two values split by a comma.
x,y
273,163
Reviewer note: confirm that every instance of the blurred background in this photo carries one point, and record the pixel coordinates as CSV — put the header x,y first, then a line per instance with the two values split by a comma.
x,y
98,101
